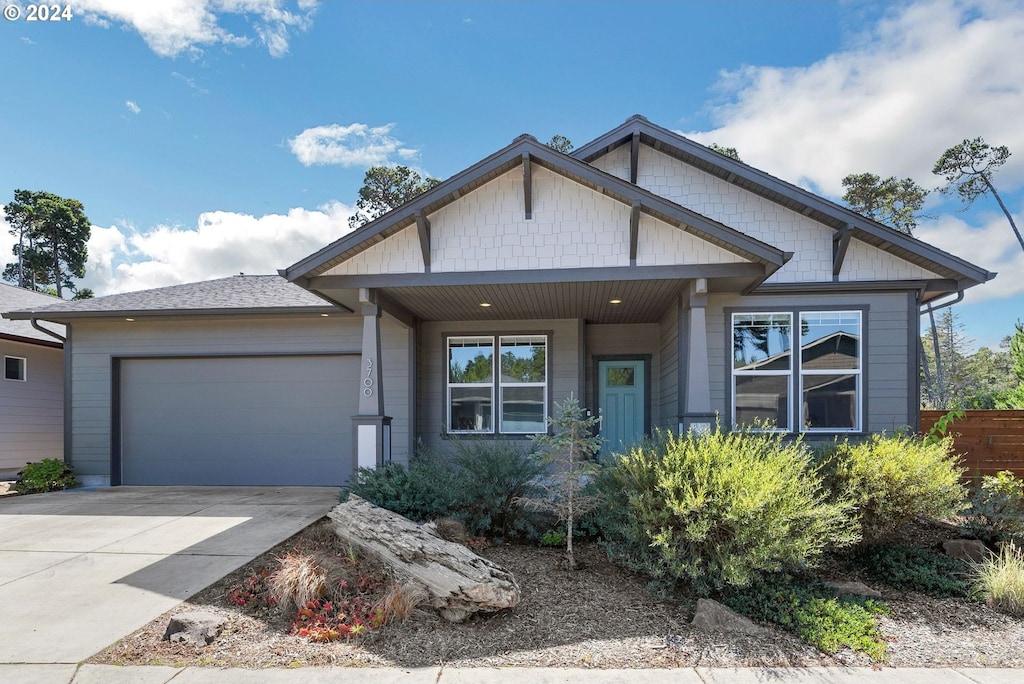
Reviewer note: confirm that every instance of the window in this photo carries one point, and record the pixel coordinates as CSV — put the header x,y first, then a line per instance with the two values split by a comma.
x,y
821,386
14,368
517,386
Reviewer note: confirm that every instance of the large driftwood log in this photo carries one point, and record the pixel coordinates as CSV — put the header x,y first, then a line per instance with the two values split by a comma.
x,y
458,581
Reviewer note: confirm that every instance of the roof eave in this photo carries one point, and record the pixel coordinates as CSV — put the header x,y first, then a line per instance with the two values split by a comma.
x,y
31,340
61,316
555,161
728,166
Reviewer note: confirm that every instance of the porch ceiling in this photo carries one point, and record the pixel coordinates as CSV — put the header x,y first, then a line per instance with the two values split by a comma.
x,y
642,301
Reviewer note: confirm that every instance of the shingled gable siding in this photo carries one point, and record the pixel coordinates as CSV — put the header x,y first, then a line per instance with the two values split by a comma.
x,y
487,229
810,241
399,253
659,244
887,361
865,262
563,350
94,342
32,412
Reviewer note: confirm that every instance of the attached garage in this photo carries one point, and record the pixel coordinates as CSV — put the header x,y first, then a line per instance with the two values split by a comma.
x,y
235,420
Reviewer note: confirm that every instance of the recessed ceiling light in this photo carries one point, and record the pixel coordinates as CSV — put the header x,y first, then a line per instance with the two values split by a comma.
x,y
485,304
129,319
615,301
324,315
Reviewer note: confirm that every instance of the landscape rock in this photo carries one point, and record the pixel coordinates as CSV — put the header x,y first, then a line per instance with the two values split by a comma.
x,y
458,581
966,549
712,616
853,589
197,626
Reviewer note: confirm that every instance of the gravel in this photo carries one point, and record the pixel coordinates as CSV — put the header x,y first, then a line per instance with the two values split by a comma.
x,y
600,616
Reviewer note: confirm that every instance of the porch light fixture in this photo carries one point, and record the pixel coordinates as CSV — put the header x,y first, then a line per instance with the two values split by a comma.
x,y
485,304
615,301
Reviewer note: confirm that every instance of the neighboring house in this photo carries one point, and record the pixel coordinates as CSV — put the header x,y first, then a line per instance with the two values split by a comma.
x,y
661,282
32,385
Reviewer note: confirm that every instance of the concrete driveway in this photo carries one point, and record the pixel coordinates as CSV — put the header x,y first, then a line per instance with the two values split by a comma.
x,y
80,569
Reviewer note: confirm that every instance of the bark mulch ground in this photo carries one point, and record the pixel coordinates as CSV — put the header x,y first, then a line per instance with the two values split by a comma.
x,y
600,616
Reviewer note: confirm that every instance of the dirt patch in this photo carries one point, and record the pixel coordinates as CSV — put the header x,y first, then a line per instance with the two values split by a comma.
x,y
599,616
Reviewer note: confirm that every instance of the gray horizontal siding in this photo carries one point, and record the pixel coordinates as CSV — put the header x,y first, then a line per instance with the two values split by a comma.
x,y
669,396
563,352
610,340
32,412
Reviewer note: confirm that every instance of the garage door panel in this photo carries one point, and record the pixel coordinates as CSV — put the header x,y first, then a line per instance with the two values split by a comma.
x,y
238,420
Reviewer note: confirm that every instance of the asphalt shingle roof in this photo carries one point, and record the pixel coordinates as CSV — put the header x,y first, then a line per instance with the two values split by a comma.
x,y
237,294
18,298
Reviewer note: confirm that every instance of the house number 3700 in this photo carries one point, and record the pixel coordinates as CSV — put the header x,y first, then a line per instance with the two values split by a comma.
x,y
368,381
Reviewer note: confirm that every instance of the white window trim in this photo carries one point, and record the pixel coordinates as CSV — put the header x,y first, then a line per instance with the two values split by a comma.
x,y
796,372
496,385
461,385
764,373
24,367
859,404
504,385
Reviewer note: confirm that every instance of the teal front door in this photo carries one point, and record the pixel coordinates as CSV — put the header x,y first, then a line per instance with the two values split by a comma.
x,y
622,402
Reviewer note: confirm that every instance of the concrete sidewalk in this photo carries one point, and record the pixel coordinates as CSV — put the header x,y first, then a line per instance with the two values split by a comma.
x,y
108,674
81,569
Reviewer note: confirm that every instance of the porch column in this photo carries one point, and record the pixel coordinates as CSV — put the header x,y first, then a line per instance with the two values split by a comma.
x,y
696,413
371,429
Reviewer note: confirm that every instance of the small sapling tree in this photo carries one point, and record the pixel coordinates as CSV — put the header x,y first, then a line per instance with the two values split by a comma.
x,y
568,452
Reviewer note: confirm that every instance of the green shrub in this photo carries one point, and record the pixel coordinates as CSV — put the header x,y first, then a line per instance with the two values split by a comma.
x,y
1001,580
811,610
420,492
554,538
478,484
718,509
997,509
491,479
892,479
914,568
48,475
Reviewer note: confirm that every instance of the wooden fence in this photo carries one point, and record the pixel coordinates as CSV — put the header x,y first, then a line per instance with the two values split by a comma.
x,y
990,441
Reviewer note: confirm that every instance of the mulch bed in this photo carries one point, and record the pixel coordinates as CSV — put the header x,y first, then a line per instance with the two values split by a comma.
x,y
600,616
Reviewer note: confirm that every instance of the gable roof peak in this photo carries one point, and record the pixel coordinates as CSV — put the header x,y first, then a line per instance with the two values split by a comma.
x,y
524,136
637,117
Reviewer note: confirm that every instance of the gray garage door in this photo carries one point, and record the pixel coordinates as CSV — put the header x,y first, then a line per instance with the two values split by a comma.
x,y
271,420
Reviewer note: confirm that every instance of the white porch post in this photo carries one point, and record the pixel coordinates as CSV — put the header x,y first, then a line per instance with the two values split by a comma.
x,y
696,413
371,429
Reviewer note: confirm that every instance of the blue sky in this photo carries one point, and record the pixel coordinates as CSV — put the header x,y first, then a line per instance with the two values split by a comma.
x,y
211,137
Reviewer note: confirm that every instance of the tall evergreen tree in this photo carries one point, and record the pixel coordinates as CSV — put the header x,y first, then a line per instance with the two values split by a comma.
x,y
386,188
53,234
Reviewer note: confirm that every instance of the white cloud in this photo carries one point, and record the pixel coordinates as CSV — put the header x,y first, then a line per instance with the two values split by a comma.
x,y
173,27
223,243
928,75
7,242
132,107
992,246
191,83
354,145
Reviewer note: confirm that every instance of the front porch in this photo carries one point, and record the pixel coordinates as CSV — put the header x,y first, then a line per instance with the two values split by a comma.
x,y
491,360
